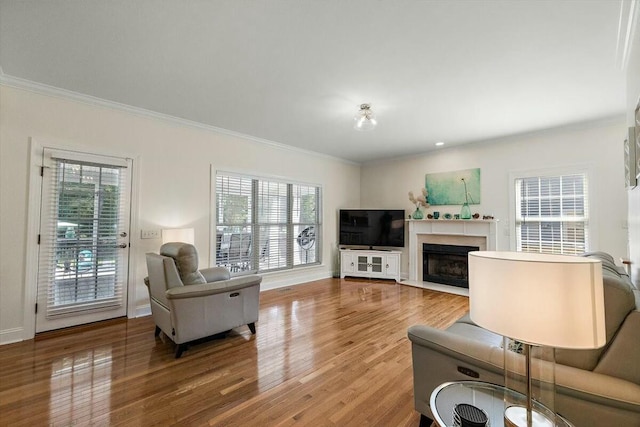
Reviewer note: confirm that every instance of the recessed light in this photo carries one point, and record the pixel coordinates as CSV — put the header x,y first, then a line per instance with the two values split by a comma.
x,y
439,144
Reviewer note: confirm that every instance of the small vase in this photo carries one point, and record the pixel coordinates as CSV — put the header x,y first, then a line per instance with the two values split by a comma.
x,y
465,212
418,214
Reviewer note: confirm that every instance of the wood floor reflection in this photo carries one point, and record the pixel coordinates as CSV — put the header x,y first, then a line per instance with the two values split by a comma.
x,y
327,353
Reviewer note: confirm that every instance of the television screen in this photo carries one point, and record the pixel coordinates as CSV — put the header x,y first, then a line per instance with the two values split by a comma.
x,y
372,227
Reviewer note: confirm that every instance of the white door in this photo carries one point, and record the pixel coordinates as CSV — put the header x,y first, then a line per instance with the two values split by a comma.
x,y
84,239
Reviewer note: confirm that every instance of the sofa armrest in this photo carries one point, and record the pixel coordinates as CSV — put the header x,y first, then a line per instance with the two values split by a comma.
x,y
204,289
462,348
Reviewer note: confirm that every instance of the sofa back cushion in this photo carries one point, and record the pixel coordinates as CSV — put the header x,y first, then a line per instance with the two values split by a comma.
x,y
622,356
619,301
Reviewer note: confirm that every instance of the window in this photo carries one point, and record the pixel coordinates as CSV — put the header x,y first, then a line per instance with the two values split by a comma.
x,y
552,214
266,224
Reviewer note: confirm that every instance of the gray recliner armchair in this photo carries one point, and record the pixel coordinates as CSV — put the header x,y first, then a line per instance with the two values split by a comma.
x,y
188,304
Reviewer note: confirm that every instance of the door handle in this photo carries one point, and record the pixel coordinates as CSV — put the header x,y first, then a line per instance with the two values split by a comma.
x,y
123,234
122,246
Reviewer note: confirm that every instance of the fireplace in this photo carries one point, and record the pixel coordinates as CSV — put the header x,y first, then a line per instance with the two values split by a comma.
x,y
446,264
481,233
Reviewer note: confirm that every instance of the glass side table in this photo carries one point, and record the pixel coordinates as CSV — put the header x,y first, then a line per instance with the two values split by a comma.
x,y
491,398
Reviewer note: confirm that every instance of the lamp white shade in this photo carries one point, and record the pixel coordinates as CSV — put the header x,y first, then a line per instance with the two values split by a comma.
x,y
550,300
185,235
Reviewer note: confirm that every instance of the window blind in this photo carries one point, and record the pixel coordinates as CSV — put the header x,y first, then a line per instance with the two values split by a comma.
x,y
552,214
278,220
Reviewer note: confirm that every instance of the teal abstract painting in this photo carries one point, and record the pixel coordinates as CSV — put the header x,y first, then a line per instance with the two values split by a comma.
x,y
448,188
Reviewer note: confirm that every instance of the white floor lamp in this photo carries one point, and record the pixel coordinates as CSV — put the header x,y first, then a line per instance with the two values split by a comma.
x,y
184,235
537,299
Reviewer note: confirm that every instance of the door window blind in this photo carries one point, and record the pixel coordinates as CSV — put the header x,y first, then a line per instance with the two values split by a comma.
x,y
84,209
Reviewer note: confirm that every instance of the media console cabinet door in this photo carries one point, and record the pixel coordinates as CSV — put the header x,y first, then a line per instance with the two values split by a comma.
x,y
370,263
347,263
393,266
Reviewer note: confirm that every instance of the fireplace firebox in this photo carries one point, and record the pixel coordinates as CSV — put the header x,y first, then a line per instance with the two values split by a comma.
x,y
446,264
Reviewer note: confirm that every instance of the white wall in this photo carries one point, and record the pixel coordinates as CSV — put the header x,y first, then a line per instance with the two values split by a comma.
x,y
596,145
633,100
173,161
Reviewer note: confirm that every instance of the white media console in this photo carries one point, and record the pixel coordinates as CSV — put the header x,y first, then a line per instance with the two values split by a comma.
x,y
370,263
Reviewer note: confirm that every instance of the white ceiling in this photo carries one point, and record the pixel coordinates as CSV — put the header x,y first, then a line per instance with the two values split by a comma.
x,y
295,72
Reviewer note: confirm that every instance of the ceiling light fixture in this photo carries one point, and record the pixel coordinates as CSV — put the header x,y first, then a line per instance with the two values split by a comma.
x,y
439,144
364,118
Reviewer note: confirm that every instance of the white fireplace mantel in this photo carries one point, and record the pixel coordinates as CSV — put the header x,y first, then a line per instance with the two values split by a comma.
x,y
475,232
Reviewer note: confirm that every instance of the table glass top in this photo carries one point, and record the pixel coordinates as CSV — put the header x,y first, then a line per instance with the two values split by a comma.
x,y
492,399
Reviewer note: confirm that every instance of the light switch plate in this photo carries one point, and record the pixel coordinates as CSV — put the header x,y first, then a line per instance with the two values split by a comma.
x,y
150,234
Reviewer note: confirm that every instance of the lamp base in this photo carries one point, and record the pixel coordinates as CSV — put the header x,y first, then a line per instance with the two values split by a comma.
x,y
516,416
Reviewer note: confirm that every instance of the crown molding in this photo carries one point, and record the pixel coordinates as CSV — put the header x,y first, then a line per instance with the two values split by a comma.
x,y
44,89
627,26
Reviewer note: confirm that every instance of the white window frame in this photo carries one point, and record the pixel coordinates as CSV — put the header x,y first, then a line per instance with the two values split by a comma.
x,y
591,227
249,175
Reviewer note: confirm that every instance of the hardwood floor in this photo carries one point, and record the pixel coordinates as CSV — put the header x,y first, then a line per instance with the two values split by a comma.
x,y
326,353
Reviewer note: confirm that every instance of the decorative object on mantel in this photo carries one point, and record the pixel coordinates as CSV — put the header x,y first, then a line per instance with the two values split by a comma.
x,y
465,211
444,188
420,201
476,215
429,216
487,217
447,216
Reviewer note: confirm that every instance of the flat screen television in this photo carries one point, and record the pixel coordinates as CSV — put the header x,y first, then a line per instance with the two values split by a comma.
x,y
372,227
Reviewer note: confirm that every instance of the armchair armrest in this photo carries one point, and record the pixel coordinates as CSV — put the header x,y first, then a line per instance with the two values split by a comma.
x,y
213,288
215,274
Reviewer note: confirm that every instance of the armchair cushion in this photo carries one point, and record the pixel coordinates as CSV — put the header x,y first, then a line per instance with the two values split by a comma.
x,y
186,260
213,288
215,274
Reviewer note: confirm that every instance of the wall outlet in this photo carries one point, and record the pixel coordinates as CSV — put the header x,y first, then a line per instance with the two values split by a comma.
x,y
149,234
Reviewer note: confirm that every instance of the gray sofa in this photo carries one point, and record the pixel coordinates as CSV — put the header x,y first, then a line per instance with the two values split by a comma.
x,y
593,387
188,304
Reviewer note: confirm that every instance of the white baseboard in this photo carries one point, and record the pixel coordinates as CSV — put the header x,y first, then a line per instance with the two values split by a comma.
x,y
9,336
278,280
142,311
436,287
